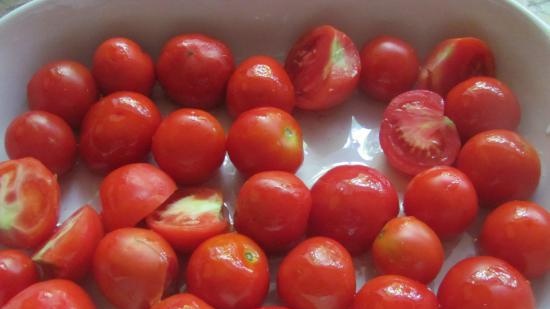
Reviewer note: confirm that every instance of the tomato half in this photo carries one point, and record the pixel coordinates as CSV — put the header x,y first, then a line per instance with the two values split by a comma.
x,y
182,301
17,272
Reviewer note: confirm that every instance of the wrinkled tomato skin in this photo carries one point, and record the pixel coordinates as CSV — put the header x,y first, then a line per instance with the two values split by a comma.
x,y
182,301
17,272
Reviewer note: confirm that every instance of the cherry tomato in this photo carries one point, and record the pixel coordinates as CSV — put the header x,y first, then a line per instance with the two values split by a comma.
x,y
273,307
182,301
324,66
29,203
189,145
444,198
389,66
317,274
484,282
257,82
17,272
265,139
121,65
229,271
502,166
415,135
134,268
118,131
407,246
194,69
351,204
273,209
65,88
519,233
130,193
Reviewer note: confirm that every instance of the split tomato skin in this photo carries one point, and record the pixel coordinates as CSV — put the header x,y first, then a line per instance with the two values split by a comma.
x,y
182,301
17,272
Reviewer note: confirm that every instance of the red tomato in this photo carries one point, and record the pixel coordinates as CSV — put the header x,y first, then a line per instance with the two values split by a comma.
x,y
351,204
389,66
121,65
194,69
257,82
189,145
415,135
407,246
265,139
68,253
118,131
317,274
182,301
130,193
273,209
43,136
65,88
229,271
189,217
17,272
324,66
273,307
482,103
485,282
29,203
134,268
444,198
501,165
519,233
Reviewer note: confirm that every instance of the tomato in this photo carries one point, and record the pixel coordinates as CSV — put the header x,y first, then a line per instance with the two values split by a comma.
x,y
351,204
193,70
408,247
134,268
120,64
273,307
453,61
265,139
389,66
43,136
444,198
317,274
519,233
130,193
259,81
273,209
229,271
189,217
482,103
118,130
415,135
324,66
65,88
29,203
484,282
189,145
182,301
17,272
502,166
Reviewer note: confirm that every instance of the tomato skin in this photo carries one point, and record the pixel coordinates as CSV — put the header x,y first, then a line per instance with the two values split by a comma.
x,y
65,88
17,272
183,300
229,271
324,66
273,307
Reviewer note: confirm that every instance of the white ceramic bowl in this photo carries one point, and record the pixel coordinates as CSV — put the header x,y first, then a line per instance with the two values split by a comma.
x,y
43,31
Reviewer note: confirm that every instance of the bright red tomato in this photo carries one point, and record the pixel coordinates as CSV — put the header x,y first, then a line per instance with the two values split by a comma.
x,y
351,204
17,272
415,135
194,69
43,136
273,307
324,66
229,271
134,268
182,301
65,88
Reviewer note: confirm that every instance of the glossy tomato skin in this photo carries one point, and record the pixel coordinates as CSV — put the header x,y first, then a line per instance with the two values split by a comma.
x,y
193,70
389,66
229,271
17,272
502,165
351,204
519,233
29,203
484,282
324,66
257,82
265,139
65,88
183,300
273,307
134,267
118,131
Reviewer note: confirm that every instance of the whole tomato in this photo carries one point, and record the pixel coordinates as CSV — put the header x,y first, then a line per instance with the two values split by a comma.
x,y
182,301
17,272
